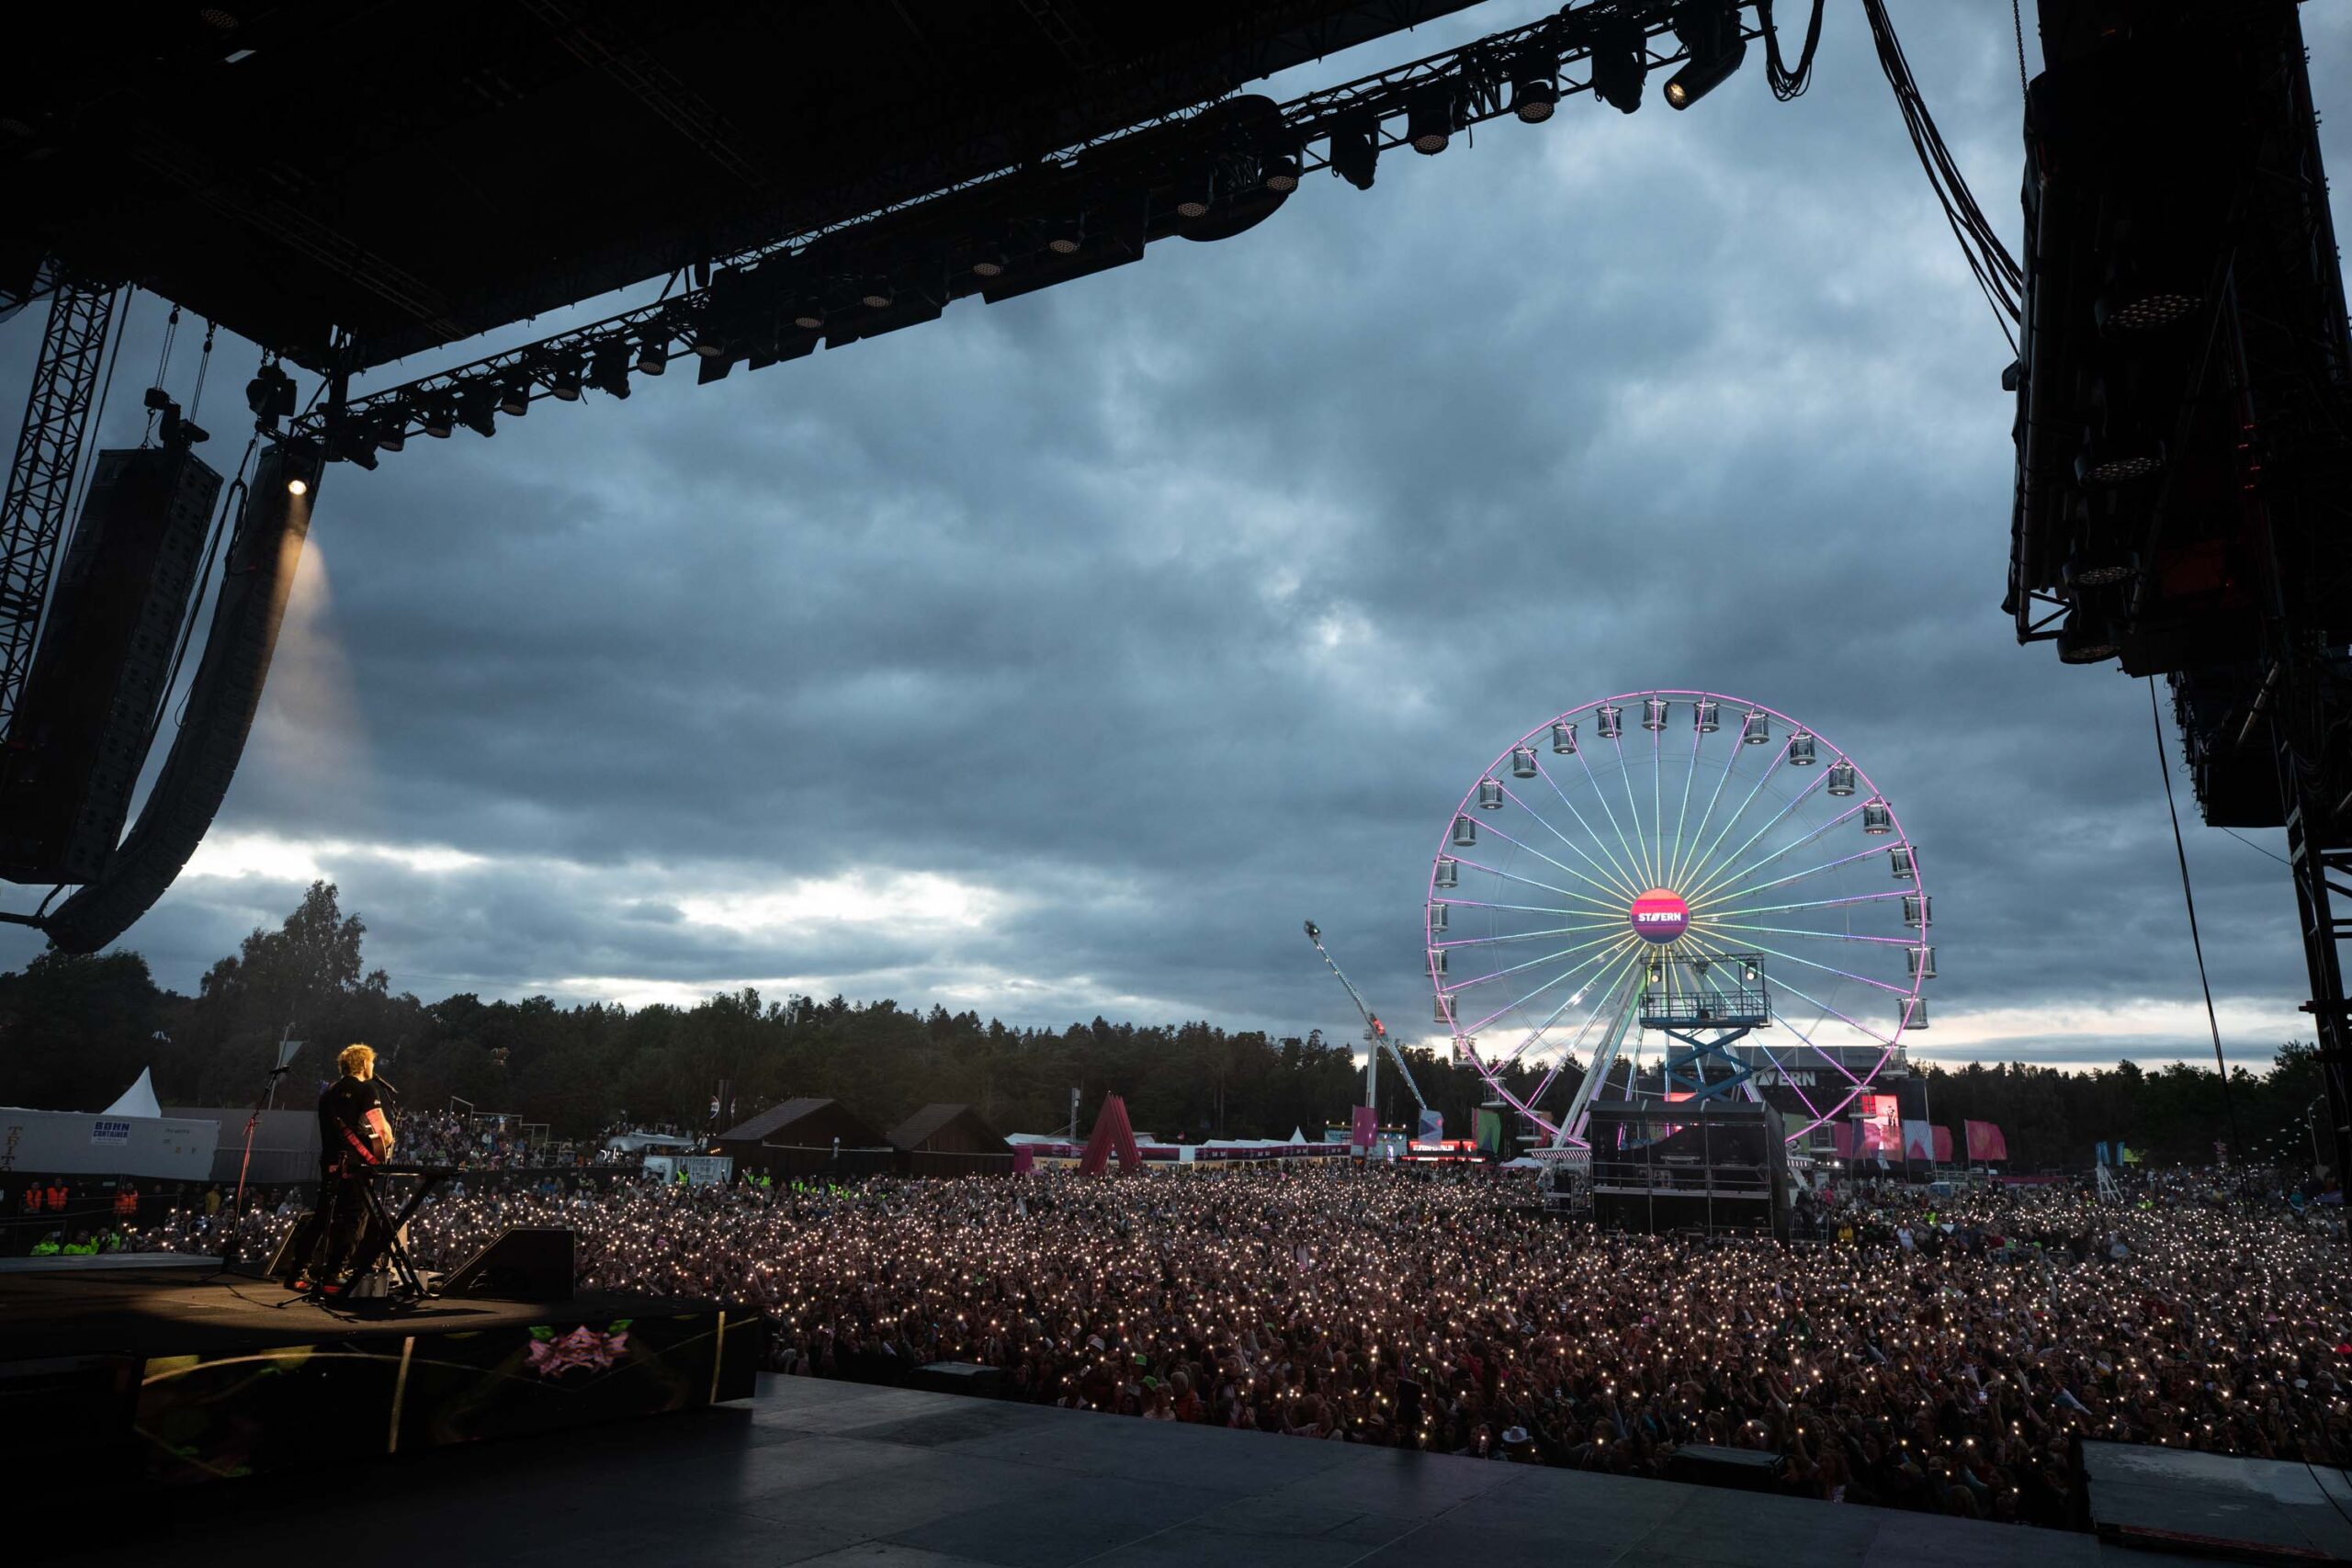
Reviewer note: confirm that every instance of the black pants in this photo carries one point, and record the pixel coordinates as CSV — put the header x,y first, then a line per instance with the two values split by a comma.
x,y
325,1246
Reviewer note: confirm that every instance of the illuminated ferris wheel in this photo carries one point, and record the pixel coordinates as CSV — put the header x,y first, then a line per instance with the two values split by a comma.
x,y
1685,876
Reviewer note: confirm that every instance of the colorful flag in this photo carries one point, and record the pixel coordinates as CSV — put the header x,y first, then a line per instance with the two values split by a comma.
x,y
2099,1152
1841,1139
1364,1130
1984,1141
1432,1126
1919,1143
1943,1145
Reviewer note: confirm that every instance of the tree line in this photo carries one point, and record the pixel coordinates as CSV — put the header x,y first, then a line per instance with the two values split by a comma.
x,y
74,1031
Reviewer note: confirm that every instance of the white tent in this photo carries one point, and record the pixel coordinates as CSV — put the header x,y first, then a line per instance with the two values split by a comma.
x,y
139,1100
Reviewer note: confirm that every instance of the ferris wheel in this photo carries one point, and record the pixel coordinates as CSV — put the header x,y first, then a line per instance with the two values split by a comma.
x,y
1686,876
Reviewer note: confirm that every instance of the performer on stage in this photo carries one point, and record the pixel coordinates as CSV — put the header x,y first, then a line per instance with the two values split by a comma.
x,y
352,1134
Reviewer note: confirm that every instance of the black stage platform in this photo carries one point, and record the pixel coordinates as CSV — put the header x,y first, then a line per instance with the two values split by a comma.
x,y
168,1370
833,1473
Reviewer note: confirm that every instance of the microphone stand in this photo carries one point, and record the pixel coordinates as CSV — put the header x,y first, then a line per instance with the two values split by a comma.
x,y
230,1244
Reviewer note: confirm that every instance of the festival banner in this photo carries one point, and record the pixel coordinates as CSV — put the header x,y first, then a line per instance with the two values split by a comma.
x,y
1363,1129
1984,1141
1919,1141
1943,1145
1431,1128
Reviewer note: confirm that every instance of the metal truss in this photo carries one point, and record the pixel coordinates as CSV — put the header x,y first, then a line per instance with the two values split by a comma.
x,y
40,480
925,245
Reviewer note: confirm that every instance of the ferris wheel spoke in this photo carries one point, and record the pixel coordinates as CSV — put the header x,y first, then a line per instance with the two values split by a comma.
x,y
1522,908
1633,857
1521,1001
1642,856
1714,799
1537,963
1832,969
1705,858
1527,1041
1658,802
1715,925
1718,869
1796,875
1845,902
1618,873
1787,1080
1564,838
1682,812
1555,864
1733,867
1521,936
1523,881
1812,1000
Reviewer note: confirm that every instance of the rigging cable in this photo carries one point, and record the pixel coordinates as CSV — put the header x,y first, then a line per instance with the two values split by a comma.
x,y
1996,271
2164,765
1787,84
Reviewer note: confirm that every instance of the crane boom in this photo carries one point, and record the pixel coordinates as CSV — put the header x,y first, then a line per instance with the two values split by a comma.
x,y
1375,1033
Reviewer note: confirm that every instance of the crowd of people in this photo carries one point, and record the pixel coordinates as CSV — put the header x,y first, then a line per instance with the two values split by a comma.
x,y
1934,1354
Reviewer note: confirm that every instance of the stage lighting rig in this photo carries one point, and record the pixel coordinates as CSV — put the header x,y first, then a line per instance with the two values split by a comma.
x,y
478,409
608,369
564,381
514,396
1355,151
1430,115
1710,29
270,394
437,418
1536,89
653,353
1621,61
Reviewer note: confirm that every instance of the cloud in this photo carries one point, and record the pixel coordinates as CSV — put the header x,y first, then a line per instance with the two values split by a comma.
x,y
1059,657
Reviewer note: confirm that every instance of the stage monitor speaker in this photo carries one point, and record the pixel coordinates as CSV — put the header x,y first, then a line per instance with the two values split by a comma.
x,y
523,1263
79,735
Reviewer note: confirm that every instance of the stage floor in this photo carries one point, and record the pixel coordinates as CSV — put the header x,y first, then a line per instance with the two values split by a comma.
x,y
151,1307
835,1474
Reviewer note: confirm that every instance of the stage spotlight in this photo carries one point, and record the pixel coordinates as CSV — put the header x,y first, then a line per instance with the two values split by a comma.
x,y
1621,60
879,292
478,409
270,394
1280,172
809,316
1199,195
608,371
1066,234
987,260
1355,152
1710,31
653,353
392,435
1428,117
514,396
564,380
297,487
1535,93
435,418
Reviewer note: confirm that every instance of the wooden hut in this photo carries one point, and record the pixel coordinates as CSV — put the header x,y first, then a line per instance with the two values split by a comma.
x,y
950,1140
809,1137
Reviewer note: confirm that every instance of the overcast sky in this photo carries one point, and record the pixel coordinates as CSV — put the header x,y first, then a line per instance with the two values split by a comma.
x,y
1057,658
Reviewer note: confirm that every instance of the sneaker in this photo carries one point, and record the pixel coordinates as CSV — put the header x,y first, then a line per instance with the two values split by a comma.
x,y
300,1284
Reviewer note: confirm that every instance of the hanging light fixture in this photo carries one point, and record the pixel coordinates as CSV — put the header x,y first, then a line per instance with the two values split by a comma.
x,y
1428,117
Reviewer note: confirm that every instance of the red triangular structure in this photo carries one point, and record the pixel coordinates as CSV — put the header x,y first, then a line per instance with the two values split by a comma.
x,y
1111,1134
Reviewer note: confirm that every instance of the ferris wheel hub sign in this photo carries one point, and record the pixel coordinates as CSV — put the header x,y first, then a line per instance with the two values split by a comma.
x,y
1659,916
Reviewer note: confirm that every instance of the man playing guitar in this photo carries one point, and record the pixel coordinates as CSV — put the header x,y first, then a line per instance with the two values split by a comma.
x,y
353,1136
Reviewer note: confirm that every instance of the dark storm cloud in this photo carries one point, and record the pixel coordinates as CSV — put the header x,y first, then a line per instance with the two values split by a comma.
x,y
1146,616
